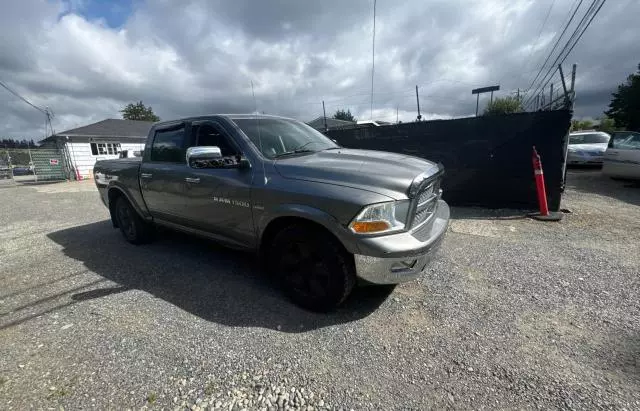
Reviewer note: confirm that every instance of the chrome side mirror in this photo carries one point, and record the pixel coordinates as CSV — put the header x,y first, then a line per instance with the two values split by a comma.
x,y
204,157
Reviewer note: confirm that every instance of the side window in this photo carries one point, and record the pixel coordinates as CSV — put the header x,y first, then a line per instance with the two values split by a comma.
x,y
208,134
626,141
167,146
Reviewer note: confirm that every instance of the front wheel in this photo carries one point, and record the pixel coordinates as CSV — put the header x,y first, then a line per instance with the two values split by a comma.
x,y
134,229
313,268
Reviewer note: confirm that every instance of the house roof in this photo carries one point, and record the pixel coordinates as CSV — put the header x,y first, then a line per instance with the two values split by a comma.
x,y
111,127
318,123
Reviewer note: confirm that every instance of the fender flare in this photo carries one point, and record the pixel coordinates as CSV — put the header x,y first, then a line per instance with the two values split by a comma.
x,y
123,191
308,213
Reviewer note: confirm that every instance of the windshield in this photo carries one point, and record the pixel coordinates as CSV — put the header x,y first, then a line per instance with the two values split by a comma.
x,y
588,138
280,136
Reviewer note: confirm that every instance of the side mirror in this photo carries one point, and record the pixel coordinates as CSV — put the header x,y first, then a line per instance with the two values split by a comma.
x,y
204,157
244,163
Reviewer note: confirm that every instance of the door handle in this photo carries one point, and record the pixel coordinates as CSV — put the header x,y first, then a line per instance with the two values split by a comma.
x,y
146,175
192,180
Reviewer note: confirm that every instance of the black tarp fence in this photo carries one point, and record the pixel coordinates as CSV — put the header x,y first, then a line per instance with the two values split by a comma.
x,y
487,159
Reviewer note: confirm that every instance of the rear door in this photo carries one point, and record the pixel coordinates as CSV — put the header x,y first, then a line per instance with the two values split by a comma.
x,y
162,174
622,158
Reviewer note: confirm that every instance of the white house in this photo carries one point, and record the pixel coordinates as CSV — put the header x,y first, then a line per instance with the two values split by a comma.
x,y
81,147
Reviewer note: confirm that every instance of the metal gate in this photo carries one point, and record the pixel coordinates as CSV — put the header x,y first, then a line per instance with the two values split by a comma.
x,y
32,165
48,164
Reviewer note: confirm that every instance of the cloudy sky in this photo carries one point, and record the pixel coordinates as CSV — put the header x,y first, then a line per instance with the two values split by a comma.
x,y
86,59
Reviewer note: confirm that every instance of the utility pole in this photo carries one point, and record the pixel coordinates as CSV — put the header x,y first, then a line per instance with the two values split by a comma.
x,y
568,105
418,101
373,55
396,114
324,112
573,81
564,87
551,97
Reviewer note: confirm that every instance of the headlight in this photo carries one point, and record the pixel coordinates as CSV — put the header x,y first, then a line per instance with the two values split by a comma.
x,y
382,217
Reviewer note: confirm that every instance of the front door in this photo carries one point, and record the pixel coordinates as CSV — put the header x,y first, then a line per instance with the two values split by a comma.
x,y
622,158
218,200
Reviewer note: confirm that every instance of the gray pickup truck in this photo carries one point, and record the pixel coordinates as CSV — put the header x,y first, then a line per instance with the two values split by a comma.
x,y
320,216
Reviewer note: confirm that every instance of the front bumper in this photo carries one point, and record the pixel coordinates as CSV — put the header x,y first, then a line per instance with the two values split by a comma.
x,y
402,257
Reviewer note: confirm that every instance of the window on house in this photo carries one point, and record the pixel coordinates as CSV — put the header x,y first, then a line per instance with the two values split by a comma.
x,y
103,149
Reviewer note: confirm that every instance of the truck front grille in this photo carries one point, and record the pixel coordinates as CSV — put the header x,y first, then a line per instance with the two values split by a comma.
x,y
425,203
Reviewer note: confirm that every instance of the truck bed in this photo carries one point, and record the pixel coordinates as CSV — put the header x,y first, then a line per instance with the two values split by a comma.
x,y
125,170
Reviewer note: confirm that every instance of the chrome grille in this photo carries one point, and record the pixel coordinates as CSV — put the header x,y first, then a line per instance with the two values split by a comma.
x,y
423,215
425,203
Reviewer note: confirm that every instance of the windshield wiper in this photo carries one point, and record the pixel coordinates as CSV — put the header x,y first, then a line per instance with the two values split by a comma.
x,y
299,149
286,153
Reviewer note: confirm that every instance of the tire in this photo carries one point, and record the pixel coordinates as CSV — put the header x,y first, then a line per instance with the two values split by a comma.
x,y
133,228
313,268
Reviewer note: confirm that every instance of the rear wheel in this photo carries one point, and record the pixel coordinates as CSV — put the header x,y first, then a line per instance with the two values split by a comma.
x,y
313,268
134,229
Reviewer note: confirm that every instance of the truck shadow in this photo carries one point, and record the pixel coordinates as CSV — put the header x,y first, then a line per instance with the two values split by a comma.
x,y
201,277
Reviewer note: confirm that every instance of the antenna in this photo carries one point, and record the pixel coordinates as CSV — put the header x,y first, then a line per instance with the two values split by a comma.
x,y
255,104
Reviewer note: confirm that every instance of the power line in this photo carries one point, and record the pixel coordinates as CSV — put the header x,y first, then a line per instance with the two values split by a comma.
x,y
552,68
579,31
544,23
22,98
575,38
566,26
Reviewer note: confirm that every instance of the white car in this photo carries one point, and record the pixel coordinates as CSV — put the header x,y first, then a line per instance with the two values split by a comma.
x,y
622,158
587,147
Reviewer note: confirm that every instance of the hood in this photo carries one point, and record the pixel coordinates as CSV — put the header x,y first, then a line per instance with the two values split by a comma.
x,y
385,173
597,147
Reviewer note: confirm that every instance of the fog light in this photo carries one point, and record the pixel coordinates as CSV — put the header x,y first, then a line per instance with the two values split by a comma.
x,y
403,266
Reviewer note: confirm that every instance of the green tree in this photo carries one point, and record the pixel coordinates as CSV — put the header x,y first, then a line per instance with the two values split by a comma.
x,y
624,108
344,115
503,105
608,125
138,111
582,125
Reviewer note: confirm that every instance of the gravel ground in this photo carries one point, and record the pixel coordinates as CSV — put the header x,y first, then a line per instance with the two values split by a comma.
x,y
513,313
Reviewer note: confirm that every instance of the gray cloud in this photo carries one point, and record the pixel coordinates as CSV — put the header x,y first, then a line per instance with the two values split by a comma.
x,y
196,57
